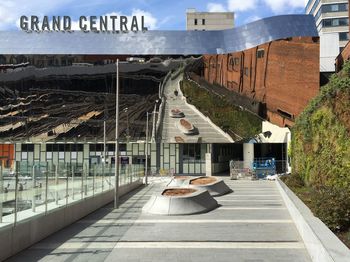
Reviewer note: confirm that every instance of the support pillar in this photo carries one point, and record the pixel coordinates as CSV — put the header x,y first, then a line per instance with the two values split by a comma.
x,y
289,142
208,161
248,155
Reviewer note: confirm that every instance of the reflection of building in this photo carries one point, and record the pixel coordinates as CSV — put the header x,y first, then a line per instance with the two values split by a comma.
x,y
7,154
41,60
169,158
283,75
278,68
201,21
332,21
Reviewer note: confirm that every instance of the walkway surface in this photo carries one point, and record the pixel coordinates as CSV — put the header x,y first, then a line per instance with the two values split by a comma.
x,y
252,224
207,133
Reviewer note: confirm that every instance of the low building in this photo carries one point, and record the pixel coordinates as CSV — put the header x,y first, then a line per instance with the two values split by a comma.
x,y
204,21
332,21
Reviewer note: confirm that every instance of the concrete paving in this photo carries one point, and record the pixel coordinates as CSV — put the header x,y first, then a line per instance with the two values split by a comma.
x,y
207,133
252,224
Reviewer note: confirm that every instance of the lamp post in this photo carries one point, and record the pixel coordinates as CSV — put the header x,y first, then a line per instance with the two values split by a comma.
x,y
126,110
116,189
146,151
104,141
153,140
154,122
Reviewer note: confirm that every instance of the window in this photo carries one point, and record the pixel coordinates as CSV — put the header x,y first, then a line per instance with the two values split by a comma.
x,y
334,8
344,36
335,22
234,64
96,147
61,155
48,155
285,114
74,155
260,53
191,152
27,147
313,7
203,21
24,155
231,63
195,21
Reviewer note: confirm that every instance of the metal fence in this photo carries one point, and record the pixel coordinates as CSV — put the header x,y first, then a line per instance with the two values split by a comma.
x,y
36,188
260,168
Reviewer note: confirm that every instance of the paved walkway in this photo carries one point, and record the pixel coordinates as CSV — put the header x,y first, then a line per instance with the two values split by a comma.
x,y
252,224
206,131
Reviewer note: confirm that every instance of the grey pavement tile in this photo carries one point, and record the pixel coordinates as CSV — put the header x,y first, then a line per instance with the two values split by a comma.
x,y
102,227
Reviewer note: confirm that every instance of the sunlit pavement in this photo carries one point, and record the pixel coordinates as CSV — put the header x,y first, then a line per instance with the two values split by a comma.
x,y
251,224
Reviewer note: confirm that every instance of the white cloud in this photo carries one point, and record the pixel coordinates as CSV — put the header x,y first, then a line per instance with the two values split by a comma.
x,y
281,6
12,10
242,5
150,20
213,7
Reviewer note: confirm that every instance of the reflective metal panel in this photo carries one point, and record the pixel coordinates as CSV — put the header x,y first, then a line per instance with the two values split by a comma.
x,y
159,42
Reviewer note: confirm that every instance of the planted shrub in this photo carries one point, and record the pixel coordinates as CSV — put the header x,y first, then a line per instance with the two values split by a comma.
x,y
229,117
321,136
332,206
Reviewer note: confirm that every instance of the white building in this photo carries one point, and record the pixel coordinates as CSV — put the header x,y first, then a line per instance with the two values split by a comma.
x,y
332,21
203,21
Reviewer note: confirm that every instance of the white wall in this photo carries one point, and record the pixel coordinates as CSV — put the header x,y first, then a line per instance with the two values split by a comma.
x,y
329,50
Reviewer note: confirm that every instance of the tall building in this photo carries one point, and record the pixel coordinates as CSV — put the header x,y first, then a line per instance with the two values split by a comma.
x,y
203,21
332,21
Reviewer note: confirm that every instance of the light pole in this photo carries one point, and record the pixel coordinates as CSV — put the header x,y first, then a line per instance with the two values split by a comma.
x,y
146,151
104,141
126,110
104,133
154,122
116,190
153,140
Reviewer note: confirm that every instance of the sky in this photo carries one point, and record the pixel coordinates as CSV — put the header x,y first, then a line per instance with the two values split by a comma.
x,y
159,14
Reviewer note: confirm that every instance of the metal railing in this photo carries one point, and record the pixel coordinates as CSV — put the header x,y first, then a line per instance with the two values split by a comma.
x,y
260,168
37,188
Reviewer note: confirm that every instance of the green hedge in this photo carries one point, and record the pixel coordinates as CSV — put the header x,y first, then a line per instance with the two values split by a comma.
x,y
228,117
321,136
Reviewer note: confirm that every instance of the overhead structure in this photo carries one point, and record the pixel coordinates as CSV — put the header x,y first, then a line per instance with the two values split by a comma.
x,y
159,42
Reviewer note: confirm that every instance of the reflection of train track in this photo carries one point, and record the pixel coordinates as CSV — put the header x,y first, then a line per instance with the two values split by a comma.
x,y
57,114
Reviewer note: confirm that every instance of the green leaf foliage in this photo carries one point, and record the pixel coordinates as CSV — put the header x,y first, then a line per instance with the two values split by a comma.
x,y
321,136
228,117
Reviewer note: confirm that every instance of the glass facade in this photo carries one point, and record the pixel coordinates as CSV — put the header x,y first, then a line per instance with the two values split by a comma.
x,y
159,42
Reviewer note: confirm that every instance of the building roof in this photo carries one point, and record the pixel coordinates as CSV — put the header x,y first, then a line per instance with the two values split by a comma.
x,y
159,42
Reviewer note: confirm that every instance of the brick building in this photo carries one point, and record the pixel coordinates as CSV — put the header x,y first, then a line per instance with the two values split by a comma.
x,y
283,75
